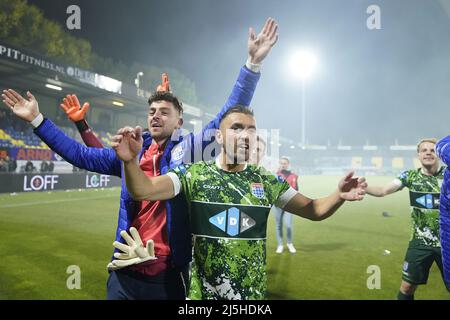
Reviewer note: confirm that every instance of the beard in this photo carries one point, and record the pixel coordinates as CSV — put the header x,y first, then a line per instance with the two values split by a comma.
x,y
237,156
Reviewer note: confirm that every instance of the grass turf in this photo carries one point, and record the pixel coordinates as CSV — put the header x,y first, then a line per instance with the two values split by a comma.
x,y
42,234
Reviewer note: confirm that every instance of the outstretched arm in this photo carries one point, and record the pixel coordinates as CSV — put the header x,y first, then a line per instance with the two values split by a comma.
x,y
102,161
381,191
128,143
349,189
259,47
76,113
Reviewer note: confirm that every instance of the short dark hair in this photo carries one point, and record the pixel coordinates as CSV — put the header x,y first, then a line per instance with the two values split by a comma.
x,y
166,96
238,109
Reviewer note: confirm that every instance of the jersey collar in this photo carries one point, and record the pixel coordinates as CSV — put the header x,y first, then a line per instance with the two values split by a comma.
x,y
438,172
220,167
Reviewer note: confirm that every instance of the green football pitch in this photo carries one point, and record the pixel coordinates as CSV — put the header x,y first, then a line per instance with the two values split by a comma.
x,y
42,234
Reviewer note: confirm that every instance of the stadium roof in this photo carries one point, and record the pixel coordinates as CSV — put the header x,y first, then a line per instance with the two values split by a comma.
x,y
23,69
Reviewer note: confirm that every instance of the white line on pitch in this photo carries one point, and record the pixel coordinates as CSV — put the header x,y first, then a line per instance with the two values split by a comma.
x,y
50,202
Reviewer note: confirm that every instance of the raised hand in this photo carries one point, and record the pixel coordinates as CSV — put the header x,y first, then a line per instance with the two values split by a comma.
x,y
128,143
165,85
25,109
352,188
260,46
72,108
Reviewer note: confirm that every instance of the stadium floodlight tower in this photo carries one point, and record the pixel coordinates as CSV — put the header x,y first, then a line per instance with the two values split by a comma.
x,y
138,82
302,65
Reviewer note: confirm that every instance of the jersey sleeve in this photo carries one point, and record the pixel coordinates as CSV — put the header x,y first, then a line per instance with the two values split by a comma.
x,y
279,190
176,183
402,179
285,197
181,180
88,136
90,139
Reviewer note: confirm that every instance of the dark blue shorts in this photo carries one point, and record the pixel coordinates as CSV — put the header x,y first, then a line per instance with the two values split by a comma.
x,y
171,284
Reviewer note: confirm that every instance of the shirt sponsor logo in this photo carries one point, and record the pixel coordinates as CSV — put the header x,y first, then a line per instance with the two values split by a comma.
x,y
427,201
232,221
257,190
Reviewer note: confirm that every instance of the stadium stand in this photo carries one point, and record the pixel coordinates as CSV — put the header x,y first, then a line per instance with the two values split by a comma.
x,y
14,135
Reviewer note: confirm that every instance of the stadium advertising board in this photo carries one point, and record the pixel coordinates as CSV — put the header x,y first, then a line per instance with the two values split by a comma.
x,y
94,79
50,182
97,181
32,154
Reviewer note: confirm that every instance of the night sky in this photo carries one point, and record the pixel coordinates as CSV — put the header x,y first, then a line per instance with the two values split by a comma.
x,y
371,85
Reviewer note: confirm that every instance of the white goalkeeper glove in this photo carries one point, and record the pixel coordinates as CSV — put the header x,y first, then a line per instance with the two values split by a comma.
x,y
133,253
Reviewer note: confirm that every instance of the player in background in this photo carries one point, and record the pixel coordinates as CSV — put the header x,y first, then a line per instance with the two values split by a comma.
x,y
279,213
424,186
256,158
229,201
443,152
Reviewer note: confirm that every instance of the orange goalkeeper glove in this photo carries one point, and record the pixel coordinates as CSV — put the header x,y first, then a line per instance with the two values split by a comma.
x,y
165,85
72,108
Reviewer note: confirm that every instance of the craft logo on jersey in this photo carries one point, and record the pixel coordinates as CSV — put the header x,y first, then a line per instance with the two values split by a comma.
x,y
257,190
426,201
232,221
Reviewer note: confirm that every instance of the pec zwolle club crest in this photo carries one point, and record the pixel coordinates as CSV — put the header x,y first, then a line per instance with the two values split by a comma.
x,y
257,190
177,153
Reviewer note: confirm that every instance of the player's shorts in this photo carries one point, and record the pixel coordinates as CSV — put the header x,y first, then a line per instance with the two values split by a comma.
x,y
125,284
418,261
